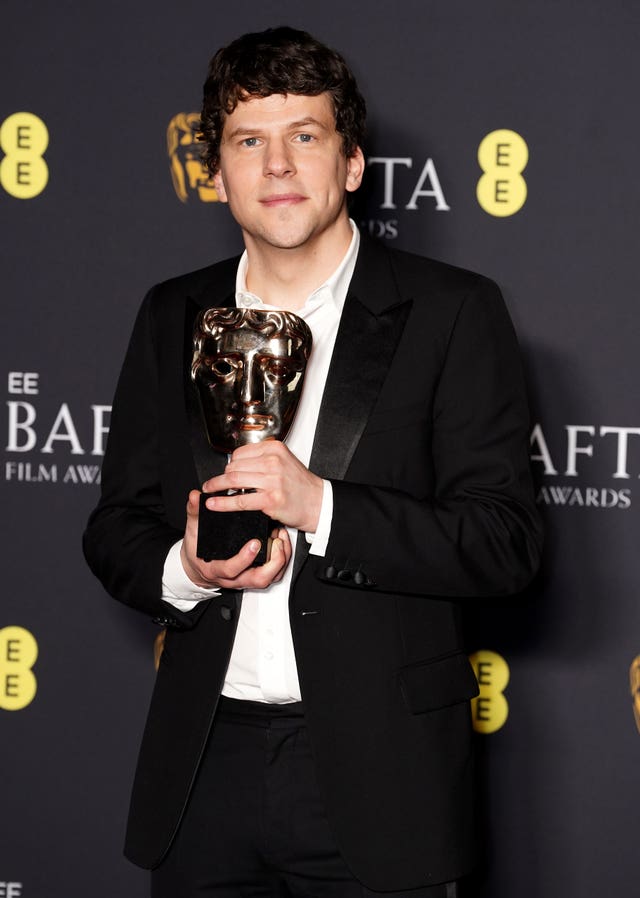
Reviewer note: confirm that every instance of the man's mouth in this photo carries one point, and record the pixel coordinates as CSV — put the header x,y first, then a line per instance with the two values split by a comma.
x,y
283,199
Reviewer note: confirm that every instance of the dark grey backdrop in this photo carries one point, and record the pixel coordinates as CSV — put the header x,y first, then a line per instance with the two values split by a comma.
x,y
560,778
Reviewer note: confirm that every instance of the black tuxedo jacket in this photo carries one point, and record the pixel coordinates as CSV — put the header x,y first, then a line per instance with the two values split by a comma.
x,y
423,431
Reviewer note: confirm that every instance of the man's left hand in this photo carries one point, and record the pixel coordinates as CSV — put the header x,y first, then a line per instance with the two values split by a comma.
x,y
284,489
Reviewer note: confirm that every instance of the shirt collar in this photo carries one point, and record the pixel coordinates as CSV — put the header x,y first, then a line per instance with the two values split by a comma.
x,y
334,288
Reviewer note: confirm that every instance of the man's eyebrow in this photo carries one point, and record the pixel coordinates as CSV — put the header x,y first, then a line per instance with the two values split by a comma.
x,y
308,121
245,131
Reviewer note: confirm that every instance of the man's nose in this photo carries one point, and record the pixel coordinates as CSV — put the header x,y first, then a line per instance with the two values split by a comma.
x,y
278,159
251,382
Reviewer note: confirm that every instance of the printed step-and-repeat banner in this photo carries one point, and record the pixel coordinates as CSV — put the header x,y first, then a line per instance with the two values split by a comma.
x,y
502,138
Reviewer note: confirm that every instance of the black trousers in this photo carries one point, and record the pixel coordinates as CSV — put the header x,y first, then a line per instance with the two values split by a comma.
x,y
255,825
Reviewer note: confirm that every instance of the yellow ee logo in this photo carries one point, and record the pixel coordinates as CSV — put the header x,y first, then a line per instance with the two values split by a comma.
x,y
18,654
24,138
490,709
503,156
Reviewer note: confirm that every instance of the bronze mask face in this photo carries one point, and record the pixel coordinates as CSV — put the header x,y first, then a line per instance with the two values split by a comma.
x,y
249,367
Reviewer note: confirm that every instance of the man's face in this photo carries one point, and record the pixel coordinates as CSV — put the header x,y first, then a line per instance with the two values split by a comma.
x,y
249,386
283,171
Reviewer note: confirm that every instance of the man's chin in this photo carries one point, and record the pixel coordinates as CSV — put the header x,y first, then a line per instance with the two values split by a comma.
x,y
285,238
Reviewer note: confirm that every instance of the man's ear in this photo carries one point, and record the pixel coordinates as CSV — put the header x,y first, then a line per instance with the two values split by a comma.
x,y
218,183
355,169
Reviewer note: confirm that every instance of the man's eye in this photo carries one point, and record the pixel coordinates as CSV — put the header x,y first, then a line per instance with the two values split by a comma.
x,y
305,138
250,142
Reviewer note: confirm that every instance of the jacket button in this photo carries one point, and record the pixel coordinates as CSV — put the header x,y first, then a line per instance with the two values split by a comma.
x,y
226,613
344,575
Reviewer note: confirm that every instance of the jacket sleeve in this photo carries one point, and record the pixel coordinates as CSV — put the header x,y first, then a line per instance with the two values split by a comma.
x,y
128,535
475,531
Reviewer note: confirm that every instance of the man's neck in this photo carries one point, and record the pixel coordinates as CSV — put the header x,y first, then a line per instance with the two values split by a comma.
x,y
286,277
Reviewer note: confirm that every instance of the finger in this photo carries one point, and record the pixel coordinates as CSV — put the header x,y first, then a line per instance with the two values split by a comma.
x,y
283,535
282,543
281,556
213,484
260,459
257,450
193,502
229,569
247,501
239,479
274,569
262,576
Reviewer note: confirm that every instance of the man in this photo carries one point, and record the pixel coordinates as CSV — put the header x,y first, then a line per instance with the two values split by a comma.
x,y
338,760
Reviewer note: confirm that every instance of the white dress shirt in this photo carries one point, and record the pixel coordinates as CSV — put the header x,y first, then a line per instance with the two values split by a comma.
x,y
262,665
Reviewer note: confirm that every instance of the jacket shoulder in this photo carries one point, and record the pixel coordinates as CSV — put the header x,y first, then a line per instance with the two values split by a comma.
x,y
418,272
207,285
383,271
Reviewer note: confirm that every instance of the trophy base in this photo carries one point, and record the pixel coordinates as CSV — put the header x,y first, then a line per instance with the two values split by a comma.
x,y
221,534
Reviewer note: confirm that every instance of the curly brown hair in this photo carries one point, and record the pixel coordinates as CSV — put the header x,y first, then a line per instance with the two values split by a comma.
x,y
278,61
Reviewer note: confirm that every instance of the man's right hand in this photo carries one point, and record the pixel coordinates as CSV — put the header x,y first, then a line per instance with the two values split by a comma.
x,y
235,572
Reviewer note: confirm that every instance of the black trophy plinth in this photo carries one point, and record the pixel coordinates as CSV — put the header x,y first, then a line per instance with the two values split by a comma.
x,y
221,534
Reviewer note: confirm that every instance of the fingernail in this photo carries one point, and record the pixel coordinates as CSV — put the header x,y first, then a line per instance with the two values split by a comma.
x,y
254,546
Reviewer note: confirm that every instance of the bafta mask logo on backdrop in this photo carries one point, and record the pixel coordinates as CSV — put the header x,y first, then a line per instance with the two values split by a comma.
x,y
634,685
190,177
503,156
23,172
18,654
489,709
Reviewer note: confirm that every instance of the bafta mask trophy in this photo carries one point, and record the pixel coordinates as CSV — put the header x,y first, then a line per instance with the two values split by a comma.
x,y
248,366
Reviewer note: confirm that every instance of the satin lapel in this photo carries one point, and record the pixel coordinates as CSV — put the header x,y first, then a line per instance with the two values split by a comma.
x,y
373,319
207,460
365,346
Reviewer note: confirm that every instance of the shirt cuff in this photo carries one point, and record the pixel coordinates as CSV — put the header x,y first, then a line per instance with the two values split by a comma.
x,y
319,540
177,588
